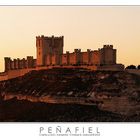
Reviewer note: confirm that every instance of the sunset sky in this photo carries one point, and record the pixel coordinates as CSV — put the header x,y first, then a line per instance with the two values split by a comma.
x,y
85,27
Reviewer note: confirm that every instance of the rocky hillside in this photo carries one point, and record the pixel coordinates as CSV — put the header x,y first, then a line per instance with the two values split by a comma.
x,y
116,92
72,83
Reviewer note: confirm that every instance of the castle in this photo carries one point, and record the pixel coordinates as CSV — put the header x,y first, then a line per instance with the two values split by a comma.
x,y
49,52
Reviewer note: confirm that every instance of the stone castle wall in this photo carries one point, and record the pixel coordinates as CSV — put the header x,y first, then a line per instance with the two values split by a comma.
x,y
10,64
105,56
14,73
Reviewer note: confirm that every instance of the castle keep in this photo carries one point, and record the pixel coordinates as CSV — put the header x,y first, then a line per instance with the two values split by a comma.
x,y
49,52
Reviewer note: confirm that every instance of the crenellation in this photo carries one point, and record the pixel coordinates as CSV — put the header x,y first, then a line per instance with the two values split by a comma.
x,y
49,37
7,63
15,63
30,61
19,63
12,65
108,46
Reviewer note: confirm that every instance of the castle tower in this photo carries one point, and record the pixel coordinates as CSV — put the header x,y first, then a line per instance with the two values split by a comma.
x,y
7,63
48,46
107,55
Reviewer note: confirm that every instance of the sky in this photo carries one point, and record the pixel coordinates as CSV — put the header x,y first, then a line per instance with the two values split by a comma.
x,y
85,27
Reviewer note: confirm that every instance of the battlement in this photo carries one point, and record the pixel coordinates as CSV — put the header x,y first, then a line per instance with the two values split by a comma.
x,y
49,37
18,63
108,46
77,50
88,50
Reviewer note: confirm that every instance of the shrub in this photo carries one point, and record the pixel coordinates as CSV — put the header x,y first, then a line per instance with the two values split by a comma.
x,y
131,67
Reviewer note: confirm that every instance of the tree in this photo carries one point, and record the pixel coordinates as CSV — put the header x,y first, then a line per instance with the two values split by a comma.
x,y
131,67
138,67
